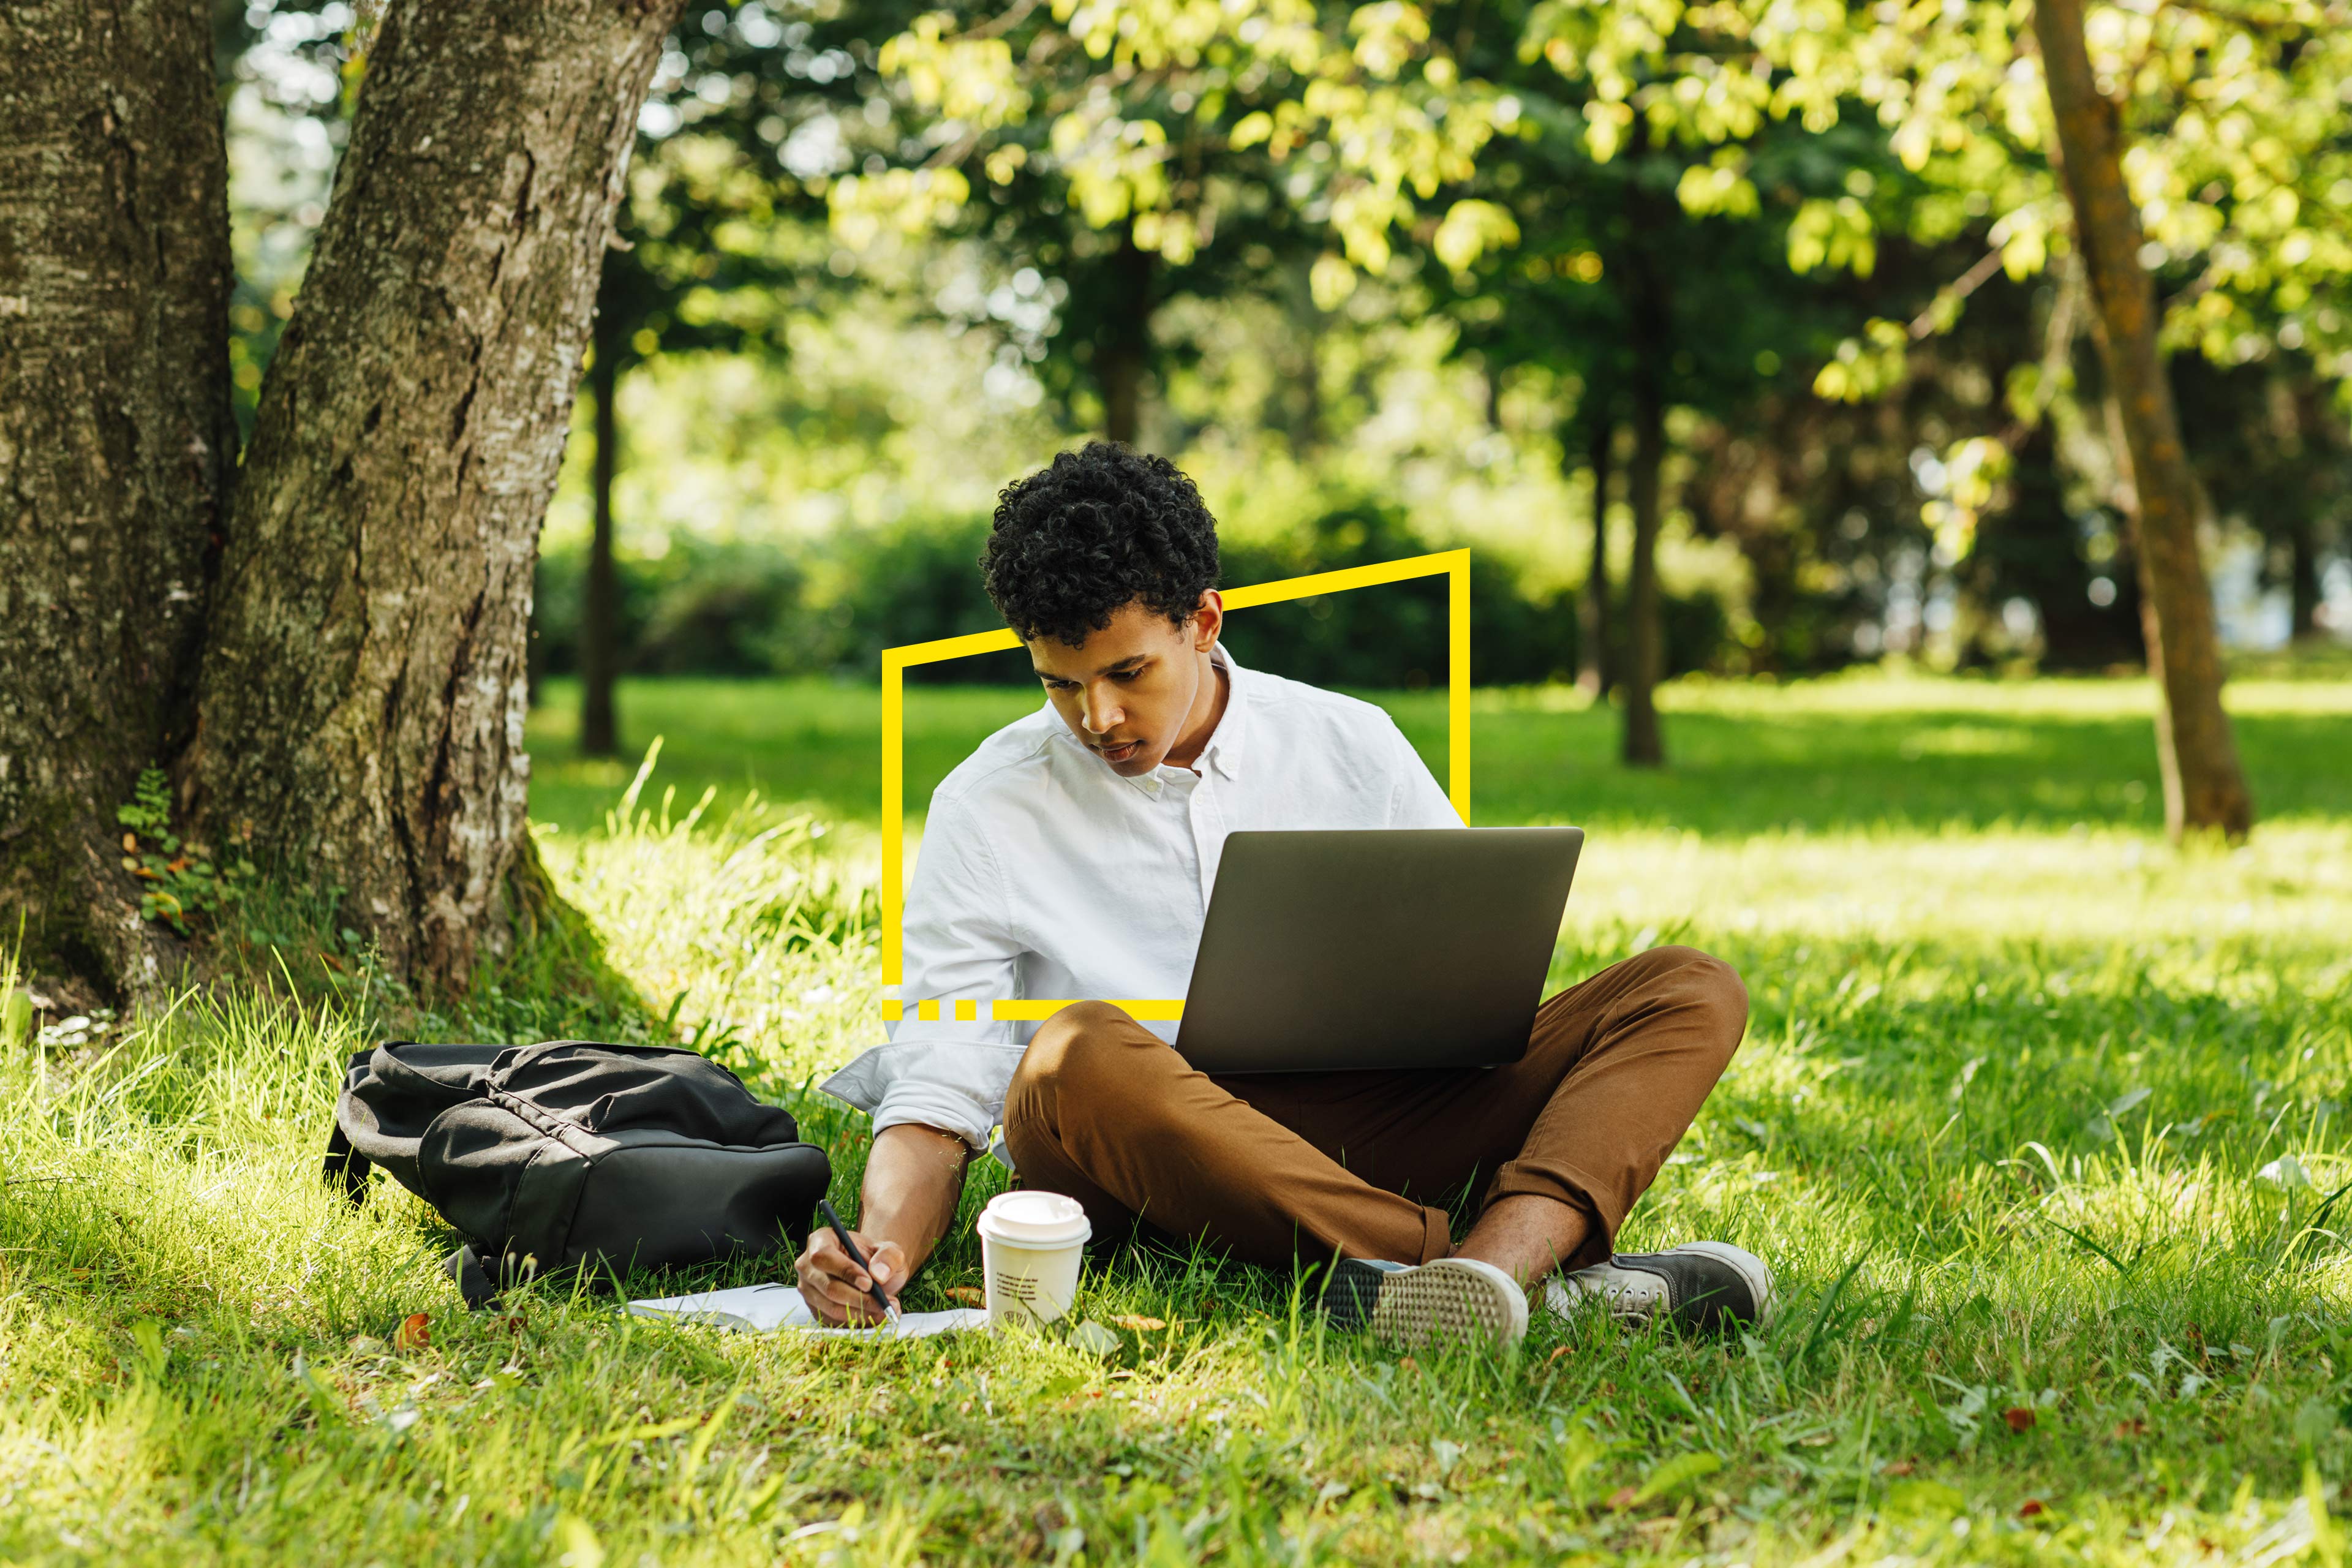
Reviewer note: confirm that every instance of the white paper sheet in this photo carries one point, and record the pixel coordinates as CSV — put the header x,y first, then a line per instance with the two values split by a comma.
x,y
765,1309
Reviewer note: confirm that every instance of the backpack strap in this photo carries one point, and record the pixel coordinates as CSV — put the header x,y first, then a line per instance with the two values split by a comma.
x,y
347,1167
464,1268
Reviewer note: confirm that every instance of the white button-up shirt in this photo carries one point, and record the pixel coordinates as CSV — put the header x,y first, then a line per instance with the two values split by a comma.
x,y
1045,874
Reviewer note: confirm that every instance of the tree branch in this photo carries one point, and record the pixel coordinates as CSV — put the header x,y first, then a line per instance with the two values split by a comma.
x,y
1924,324
1014,17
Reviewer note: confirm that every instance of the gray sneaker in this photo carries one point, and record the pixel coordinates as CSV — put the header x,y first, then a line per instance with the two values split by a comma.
x,y
1443,1302
1707,1286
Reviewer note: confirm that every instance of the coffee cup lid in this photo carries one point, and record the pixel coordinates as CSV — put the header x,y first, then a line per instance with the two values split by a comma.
x,y
1035,1218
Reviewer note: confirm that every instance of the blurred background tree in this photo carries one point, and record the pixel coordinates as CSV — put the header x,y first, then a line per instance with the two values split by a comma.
x,y
2181,134
1397,276
707,256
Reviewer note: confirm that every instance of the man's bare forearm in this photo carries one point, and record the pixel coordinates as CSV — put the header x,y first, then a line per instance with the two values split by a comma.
x,y
913,1179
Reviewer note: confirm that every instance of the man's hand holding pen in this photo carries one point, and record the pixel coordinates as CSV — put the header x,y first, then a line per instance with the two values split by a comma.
x,y
836,1289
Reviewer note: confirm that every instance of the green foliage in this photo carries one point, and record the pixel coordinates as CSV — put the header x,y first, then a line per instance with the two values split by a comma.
x,y
1395,637
1170,125
1259,157
1813,200
746,608
178,883
715,246
288,73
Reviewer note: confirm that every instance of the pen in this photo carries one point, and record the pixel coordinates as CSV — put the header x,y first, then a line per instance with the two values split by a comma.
x,y
841,1233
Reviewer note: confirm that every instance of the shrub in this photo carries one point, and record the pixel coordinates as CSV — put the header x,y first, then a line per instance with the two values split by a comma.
x,y
742,609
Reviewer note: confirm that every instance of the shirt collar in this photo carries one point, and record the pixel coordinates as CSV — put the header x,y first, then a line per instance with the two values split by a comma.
x,y
1230,738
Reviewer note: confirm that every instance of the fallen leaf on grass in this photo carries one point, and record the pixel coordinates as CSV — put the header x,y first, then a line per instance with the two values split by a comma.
x,y
968,1295
1139,1323
1900,1467
1623,1497
1093,1337
2018,1417
2030,1508
415,1333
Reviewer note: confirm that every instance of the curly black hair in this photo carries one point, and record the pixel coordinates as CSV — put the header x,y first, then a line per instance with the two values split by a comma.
x,y
1101,528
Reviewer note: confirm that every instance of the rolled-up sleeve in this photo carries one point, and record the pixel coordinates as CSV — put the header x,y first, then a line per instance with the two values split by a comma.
x,y
960,946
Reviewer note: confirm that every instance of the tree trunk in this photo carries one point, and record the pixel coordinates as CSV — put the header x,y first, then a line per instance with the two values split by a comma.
x,y
1126,346
600,608
1314,434
117,446
2204,787
1595,671
2312,430
363,691
2303,598
1645,746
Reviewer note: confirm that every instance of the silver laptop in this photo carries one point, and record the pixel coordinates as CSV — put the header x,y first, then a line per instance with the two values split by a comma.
x,y
1327,951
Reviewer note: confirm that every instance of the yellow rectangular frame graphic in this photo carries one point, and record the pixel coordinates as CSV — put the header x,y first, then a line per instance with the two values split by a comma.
x,y
1451,564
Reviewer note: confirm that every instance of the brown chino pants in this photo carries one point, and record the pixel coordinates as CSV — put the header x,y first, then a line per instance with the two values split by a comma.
x,y
1275,1166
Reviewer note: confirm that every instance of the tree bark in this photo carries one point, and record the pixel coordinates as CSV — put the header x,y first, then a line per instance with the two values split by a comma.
x,y
1126,347
362,696
1594,672
1645,746
600,607
2312,429
2204,787
117,446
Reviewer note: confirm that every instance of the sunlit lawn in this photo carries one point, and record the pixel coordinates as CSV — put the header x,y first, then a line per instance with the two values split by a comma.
x,y
2038,1119
1861,753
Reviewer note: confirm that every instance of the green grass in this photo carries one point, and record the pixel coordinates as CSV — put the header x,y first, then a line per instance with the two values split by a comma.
x,y
1823,755
2015,1075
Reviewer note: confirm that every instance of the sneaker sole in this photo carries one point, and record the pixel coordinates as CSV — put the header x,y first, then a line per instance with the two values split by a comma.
x,y
1450,1301
1351,1291
1748,1266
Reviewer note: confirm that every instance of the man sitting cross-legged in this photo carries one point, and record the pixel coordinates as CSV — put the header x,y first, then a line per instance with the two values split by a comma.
x,y
1072,855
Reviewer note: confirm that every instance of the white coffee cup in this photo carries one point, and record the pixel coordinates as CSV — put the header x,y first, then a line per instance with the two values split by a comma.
x,y
1030,1244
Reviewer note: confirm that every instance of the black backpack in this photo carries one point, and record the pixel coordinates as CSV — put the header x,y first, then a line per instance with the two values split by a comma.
x,y
569,1155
